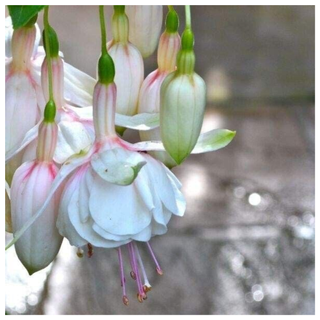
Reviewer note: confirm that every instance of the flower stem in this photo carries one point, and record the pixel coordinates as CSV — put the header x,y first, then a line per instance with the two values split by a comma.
x,y
103,31
188,17
170,8
48,49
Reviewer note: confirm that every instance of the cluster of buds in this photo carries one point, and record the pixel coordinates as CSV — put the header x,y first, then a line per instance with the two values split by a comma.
x,y
71,173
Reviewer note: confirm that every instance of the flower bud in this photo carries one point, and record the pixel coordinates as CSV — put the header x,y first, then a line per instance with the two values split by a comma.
x,y
183,99
31,184
57,80
144,27
129,70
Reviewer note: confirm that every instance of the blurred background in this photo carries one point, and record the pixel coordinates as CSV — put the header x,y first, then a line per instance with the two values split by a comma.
x,y
246,243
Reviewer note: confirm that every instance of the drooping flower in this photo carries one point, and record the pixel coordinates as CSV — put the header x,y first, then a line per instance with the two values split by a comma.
x,y
24,99
128,63
144,27
183,100
149,98
30,186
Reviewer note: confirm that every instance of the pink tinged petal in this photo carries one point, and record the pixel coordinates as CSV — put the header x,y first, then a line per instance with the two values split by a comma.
x,y
21,103
22,45
118,209
57,80
129,76
78,86
40,244
47,141
63,173
73,138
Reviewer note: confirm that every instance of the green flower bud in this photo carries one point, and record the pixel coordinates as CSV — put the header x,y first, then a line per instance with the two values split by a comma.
x,y
172,22
53,41
50,111
183,100
106,70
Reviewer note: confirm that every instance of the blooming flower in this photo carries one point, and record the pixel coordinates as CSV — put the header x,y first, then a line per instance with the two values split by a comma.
x,y
149,98
128,63
30,185
144,27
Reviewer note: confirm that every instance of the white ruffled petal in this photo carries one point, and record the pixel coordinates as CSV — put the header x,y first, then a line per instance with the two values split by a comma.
x,y
118,209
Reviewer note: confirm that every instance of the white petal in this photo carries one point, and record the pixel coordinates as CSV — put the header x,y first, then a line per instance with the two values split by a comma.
x,y
78,86
118,209
30,136
141,121
73,138
85,227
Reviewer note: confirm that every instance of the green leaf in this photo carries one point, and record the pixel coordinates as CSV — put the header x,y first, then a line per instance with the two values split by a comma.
x,y
21,15
213,140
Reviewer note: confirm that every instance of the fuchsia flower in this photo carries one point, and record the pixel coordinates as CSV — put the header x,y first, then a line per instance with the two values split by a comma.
x,y
91,211
144,27
30,185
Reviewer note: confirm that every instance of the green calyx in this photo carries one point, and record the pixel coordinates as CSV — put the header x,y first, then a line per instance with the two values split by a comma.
x,y
31,22
186,58
172,21
53,41
106,70
50,111
187,40
119,9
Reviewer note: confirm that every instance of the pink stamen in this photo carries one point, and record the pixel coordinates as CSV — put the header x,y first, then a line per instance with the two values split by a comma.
x,y
158,268
123,279
141,293
132,273
146,286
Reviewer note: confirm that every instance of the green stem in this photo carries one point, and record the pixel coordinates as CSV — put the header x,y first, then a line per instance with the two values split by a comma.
x,y
188,17
103,31
48,53
170,8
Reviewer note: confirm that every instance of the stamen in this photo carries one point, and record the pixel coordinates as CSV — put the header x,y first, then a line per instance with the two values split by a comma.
x,y
80,253
158,268
147,286
141,293
132,273
90,250
123,279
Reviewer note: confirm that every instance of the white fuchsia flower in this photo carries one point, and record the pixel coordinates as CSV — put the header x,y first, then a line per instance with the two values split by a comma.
x,y
144,27
128,63
149,98
30,186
